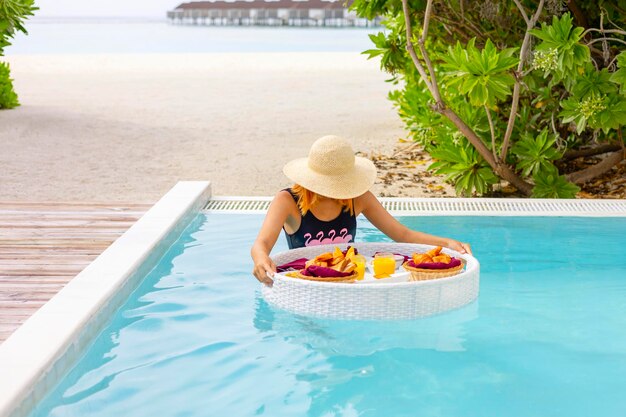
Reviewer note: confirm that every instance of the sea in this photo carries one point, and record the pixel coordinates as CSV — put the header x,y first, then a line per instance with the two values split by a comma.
x,y
136,36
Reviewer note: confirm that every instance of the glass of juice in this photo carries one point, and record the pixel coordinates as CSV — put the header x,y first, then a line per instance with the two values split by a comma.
x,y
359,260
384,265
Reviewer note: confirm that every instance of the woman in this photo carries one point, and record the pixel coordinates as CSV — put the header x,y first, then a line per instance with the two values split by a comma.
x,y
332,189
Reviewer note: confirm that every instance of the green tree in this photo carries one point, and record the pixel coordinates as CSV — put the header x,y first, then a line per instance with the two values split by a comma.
x,y
13,13
507,89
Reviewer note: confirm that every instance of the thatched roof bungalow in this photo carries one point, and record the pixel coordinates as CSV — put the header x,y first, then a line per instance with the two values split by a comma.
x,y
260,12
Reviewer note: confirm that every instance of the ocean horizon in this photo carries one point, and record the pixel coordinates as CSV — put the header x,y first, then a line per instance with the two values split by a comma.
x,y
136,35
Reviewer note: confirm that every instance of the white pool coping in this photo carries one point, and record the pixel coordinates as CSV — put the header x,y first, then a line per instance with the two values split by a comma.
x,y
453,206
48,344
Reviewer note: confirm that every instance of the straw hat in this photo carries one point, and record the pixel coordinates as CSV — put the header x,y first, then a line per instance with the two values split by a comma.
x,y
332,170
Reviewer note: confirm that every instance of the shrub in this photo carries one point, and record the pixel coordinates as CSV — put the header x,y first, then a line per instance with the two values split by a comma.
x,y
8,98
12,16
513,88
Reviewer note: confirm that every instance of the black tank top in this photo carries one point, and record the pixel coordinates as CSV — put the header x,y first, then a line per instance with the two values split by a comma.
x,y
313,231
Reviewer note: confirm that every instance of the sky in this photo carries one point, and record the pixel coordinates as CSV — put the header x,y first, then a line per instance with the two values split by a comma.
x,y
107,8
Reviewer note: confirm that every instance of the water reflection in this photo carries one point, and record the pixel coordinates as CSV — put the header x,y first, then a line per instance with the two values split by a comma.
x,y
444,332
375,368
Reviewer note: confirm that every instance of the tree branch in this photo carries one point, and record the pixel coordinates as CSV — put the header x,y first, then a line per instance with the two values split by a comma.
x,y
422,46
411,49
516,87
598,150
457,26
606,39
493,133
502,170
600,168
427,13
621,32
464,22
523,12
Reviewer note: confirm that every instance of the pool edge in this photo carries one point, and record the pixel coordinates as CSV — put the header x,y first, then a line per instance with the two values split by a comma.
x,y
446,206
48,343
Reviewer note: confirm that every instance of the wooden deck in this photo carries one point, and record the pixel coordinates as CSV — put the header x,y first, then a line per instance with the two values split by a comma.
x,y
44,245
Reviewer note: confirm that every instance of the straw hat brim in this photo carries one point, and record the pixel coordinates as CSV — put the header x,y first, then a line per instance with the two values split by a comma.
x,y
353,183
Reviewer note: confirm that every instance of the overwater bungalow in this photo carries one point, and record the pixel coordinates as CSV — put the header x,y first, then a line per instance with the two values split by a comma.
x,y
268,13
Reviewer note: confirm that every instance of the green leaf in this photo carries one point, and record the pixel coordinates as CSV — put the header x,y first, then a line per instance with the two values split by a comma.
x,y
483,75
593,82
613,116
619,76
549,184
463,166
536,154
561,36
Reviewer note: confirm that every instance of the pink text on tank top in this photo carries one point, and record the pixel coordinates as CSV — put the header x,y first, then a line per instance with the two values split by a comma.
x,y
333,237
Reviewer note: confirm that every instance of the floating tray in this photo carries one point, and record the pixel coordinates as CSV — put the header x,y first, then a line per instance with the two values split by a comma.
x,y
372,299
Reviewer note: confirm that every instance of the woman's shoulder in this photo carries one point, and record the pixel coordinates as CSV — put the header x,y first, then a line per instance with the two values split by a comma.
x,y
285,198
368,195
362,202
284,194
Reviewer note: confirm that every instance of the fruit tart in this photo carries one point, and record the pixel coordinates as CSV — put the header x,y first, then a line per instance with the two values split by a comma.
x,y
334,266
433,264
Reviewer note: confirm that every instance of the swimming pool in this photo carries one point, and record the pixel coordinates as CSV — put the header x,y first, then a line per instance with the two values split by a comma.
x,y
545,337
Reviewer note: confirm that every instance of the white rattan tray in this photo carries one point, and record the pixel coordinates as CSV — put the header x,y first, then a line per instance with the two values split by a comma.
x,y
372,300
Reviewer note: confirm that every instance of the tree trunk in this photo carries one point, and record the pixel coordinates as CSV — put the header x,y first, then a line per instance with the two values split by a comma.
x,y
502,170
600,168
598,150
581,19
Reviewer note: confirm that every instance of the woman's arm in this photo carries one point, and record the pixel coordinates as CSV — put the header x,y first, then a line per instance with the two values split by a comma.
x,y
386,223
270,230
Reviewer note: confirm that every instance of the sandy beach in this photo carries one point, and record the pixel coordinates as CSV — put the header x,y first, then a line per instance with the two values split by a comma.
x,y
128,127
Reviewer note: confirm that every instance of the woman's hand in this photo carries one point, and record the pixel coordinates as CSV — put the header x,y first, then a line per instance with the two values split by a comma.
x,y
459,246
275,218
264,270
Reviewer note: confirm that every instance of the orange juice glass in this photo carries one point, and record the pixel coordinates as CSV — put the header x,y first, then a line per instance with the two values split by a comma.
x,y
359,260
384,265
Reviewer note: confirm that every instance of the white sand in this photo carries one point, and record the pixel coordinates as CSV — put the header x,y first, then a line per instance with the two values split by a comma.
x,y
128,127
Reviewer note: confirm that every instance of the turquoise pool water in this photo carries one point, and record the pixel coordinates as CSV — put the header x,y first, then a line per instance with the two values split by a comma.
x,y
545,338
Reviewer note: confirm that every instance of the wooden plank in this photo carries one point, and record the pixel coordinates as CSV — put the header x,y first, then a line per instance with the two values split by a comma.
x,y
70,211
54,225
44,245
20,304
9,253
36,280
42,272
27,296
45,255
21,234
64,224
19,315
9,327
69,259
69,215
52,243
87,205
16,314
74,206
21,286
5,335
